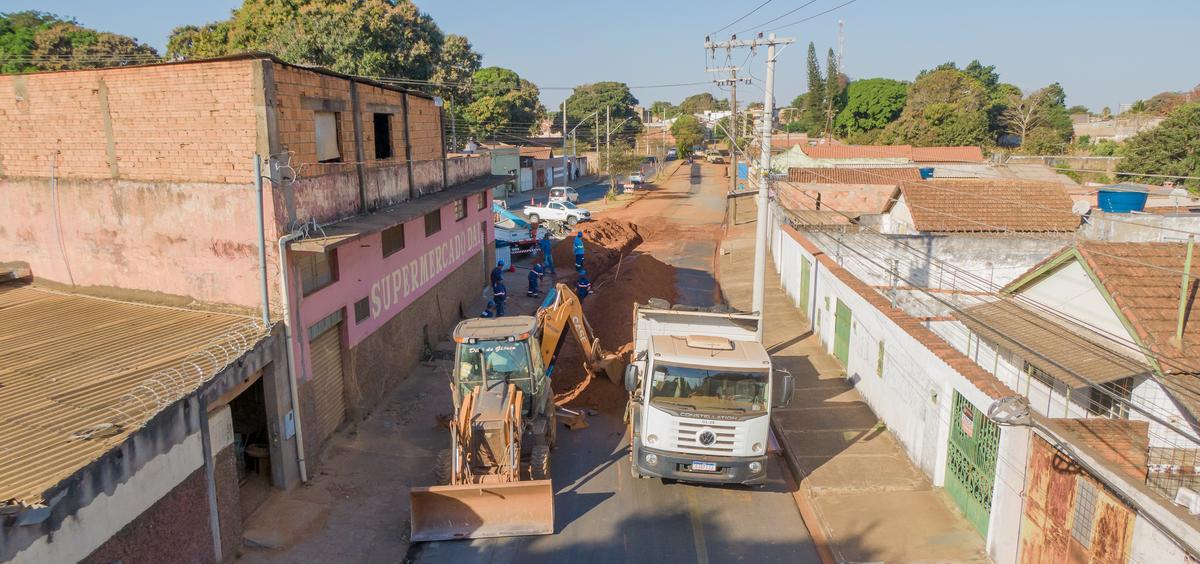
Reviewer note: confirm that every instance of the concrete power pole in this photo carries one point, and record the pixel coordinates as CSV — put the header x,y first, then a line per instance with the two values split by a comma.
x,y
732,82
566,175
608,146
764,173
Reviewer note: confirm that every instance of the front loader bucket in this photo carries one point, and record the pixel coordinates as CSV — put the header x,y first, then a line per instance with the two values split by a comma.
x,y
475,511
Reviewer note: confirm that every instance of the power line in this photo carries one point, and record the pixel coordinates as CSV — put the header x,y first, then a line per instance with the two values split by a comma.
x,y
744,16
777,18
812,17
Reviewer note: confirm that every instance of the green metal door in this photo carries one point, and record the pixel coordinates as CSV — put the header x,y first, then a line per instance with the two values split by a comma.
x,y
841,333
971,463
805,273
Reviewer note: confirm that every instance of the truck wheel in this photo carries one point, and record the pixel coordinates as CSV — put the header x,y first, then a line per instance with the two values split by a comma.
x,y
443,468
533,218
539,463
572,220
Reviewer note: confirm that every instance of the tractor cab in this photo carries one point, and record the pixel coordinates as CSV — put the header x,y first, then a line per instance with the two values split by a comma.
x,y
492,353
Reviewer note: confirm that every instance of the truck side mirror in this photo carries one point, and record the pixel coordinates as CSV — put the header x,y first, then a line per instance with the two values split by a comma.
x,y
631,377
784,384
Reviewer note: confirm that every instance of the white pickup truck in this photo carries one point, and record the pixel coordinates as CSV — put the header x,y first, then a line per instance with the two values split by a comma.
x,y
701,393
558,211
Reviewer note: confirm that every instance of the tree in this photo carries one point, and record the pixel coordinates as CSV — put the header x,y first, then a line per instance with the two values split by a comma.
x,y
944,107
620,159
1172,148
588,99
871,104
815,99
833,91
986,75
662,109
37,41
1078,109
700,103
688,133
504,105
364,37
1164,103
457,62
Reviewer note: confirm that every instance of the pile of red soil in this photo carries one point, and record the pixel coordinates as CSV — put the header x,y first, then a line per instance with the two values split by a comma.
x,y
604,243
609,311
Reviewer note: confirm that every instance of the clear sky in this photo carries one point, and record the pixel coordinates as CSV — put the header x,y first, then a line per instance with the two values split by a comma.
x,y
1103,52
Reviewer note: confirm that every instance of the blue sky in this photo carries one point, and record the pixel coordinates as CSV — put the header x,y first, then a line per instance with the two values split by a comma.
x,y
1103,52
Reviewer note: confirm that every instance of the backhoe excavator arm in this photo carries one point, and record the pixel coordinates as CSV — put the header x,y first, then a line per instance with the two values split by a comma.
x,y
562,309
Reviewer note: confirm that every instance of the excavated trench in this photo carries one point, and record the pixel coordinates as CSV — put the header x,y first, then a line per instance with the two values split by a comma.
x,y
621,275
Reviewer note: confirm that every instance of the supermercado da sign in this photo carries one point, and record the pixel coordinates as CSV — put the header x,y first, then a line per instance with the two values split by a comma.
x,y
406,283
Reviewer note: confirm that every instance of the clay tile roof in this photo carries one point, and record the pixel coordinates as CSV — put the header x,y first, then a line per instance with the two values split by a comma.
x,y
947,154
849,199
537,152
786,141
1144,281
989,205
859,151
881,176
79,375
1124,442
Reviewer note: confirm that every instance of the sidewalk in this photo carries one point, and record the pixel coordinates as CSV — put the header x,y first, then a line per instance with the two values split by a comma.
x,y
869,502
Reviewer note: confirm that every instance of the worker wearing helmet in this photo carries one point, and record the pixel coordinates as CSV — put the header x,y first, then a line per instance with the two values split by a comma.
x,y
578,246
498,272
535,277
490,310
583,286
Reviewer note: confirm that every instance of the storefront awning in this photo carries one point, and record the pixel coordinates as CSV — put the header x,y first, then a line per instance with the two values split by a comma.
x,y
1017,329
360,226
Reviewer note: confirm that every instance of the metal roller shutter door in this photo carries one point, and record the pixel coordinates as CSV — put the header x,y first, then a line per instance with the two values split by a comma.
x,y
327,379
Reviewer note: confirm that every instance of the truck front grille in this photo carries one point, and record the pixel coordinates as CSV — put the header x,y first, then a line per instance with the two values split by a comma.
x,y
688,436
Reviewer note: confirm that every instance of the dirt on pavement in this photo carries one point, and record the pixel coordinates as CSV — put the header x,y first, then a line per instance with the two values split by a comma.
x,y
604,243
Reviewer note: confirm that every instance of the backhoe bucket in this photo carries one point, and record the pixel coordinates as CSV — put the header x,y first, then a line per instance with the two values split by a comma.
x,y
610,365
475,511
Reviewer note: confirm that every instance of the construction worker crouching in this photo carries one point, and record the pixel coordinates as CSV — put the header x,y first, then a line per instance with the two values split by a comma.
x,y
489,310
583,286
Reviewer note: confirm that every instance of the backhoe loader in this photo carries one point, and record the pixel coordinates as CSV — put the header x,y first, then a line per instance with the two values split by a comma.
x,y
494,481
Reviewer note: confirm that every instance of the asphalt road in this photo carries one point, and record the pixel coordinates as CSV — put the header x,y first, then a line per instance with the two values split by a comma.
x,y
602,514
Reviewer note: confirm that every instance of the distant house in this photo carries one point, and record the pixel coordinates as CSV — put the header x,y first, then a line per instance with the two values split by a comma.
x,y
980,206
1096,331
842,194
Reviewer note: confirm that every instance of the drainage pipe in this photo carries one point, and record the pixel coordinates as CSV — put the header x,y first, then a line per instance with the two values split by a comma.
x,y
291,355
262,244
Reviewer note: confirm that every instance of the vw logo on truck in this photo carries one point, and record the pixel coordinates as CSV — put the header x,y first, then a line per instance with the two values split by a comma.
x,y
707,438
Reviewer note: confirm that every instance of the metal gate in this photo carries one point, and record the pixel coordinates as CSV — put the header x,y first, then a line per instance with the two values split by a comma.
x,y
805,284
841,333
328,386
971,462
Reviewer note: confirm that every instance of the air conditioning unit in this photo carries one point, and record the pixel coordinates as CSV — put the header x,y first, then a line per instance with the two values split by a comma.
x,y
1189,499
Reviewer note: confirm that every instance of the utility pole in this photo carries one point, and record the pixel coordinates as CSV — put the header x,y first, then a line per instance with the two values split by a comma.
x,y
608,146
764,173
732,82
564,149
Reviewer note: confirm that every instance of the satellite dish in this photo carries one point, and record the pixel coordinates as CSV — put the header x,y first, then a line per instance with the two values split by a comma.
x,y
1081,207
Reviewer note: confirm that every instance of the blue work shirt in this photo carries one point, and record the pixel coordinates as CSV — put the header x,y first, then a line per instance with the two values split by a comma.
x,y
583,287
578,245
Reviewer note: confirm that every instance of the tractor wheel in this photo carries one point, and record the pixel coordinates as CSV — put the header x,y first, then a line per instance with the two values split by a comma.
x,y
533,218
443,469
539,463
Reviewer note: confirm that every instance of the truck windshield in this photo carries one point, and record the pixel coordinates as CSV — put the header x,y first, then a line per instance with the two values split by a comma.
x,y
502,361
684,387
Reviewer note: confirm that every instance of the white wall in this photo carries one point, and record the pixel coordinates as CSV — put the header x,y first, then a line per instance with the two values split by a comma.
x,y
1072,292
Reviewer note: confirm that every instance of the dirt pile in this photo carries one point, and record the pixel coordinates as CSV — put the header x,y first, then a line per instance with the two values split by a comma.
x,y
609,310
604,243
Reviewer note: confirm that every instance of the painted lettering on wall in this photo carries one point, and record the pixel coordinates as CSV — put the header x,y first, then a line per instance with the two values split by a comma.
x,y
412,278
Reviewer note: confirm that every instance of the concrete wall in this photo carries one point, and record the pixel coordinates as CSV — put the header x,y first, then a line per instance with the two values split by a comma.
x,y
921,373
1139,227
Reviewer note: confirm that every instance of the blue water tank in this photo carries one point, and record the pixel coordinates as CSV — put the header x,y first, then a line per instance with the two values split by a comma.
x,y
1122,200
926,172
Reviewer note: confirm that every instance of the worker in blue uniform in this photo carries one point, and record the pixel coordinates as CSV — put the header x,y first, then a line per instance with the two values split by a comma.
x,y
547,252
499,295
490,310
578,246
498,272
535,277
583,286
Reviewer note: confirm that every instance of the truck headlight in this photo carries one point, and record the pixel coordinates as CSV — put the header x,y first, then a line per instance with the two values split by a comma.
x,y
651,458
756,466
651,440
757,447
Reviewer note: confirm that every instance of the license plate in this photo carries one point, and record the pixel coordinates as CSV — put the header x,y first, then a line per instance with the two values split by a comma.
x,y
704,466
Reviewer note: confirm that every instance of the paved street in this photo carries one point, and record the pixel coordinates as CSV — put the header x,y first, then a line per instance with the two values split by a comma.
x,y
602,514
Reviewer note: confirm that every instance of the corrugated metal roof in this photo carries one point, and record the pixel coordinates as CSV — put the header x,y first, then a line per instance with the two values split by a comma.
x,y
73,366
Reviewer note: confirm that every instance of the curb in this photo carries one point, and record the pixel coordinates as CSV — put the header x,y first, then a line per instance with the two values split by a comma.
x,y
822,540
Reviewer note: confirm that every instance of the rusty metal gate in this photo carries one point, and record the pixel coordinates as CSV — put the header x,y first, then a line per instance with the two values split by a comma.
x,y
971,462
328,385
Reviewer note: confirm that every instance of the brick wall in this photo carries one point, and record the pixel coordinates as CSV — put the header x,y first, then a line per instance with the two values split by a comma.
x,y
424,119
188,122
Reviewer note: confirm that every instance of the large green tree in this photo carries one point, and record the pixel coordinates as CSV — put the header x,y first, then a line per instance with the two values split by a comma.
x,y
589,101
688,133
944,107
504,105
37,41
703,102
814,100
390,38
1172,148
871,104
662,109
1042,117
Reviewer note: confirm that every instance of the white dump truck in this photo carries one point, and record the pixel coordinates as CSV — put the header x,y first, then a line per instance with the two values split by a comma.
x,y
701,392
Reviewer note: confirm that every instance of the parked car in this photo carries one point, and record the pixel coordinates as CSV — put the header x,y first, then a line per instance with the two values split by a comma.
x,y
558,211
564,194
637,178
672,154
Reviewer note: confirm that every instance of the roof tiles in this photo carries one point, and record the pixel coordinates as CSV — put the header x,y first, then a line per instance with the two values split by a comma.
x,y
992,205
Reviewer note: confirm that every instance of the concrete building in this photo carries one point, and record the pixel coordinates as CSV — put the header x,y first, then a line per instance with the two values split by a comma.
x,y
1036,487
139,184
802,155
